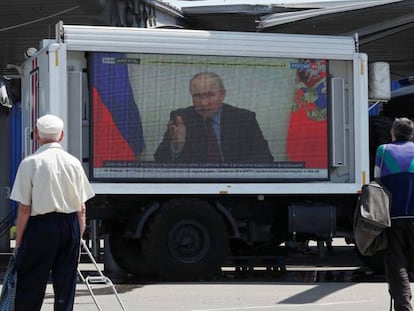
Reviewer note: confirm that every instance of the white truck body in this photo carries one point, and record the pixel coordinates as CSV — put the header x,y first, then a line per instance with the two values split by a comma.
x,y
57,80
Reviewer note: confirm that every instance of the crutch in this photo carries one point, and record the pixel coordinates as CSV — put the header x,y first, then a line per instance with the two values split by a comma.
x,y
100,279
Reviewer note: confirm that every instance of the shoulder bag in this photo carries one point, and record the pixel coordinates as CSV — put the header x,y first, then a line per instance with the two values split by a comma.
x,y
372,216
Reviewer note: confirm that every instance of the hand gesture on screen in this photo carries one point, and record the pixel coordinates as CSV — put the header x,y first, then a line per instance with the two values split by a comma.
x,y
177,132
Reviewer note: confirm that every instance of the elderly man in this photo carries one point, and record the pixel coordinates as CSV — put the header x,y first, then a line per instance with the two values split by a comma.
x,y
212,131
51,188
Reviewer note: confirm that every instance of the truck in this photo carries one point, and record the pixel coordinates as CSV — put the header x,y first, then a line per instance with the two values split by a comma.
x,y
119,89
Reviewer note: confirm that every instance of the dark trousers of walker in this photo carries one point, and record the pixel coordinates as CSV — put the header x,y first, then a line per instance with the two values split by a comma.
x,y
398,259
50,248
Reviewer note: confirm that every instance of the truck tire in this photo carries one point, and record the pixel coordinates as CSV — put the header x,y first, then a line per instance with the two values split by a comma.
x,y
186,240
128,255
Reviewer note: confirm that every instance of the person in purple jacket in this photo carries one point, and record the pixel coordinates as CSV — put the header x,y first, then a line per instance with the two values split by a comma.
x,y
394,165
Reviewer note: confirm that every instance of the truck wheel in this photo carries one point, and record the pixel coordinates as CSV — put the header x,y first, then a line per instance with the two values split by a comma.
x,y
128,255
186,240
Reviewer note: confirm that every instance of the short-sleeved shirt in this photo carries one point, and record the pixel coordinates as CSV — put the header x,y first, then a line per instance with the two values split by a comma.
x,y
51,180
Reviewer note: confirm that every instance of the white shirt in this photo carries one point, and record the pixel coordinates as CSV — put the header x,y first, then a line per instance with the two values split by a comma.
x,y
51,180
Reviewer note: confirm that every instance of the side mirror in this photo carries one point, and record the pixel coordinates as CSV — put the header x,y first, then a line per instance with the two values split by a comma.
x,y
4,98
379,82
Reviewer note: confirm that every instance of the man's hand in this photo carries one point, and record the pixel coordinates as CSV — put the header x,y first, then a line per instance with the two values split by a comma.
x,y
23,216
82,219
177,132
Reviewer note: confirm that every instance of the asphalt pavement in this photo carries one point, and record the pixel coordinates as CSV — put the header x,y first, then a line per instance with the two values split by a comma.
x,y
336,282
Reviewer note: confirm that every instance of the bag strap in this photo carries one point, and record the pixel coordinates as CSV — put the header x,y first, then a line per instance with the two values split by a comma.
x,y
382,161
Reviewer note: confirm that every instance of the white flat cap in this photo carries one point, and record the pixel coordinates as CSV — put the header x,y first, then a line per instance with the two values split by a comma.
x,y
49,124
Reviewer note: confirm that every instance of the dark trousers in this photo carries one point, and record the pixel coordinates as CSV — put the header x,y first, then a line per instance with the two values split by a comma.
x,y
50,246
398,258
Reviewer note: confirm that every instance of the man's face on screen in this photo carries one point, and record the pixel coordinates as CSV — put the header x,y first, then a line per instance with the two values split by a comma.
x,y
207,95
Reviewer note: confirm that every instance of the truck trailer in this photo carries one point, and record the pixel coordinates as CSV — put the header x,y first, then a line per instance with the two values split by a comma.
x,y
292,132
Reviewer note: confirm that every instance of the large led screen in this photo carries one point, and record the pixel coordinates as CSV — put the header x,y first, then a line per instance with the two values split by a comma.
x,y
193,117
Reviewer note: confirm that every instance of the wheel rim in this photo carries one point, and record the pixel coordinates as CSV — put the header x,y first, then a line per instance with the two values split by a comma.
x,y
188,241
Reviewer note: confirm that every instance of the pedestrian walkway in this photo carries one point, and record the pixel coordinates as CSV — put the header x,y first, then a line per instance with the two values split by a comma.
x,y
308,284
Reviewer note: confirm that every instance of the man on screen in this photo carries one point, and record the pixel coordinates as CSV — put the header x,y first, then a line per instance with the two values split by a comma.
x,y
212,131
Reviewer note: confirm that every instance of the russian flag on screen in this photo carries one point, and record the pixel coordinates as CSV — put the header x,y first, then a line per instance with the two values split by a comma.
x,y
307,139
117,128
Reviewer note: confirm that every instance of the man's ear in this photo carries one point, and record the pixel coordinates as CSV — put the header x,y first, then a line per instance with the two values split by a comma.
x,y
223,94
392,135
61,136
36,134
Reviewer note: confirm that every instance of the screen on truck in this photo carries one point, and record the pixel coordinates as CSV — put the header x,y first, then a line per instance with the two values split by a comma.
x,y
197,117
